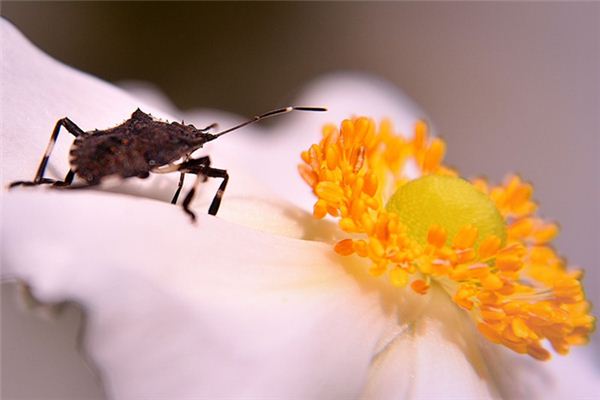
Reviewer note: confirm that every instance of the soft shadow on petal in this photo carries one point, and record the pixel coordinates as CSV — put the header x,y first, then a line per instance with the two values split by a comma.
x,y
275,216
209,310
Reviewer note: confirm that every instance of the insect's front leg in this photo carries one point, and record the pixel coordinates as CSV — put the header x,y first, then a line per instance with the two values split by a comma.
x,y
39,179
191,166
181,179
179,187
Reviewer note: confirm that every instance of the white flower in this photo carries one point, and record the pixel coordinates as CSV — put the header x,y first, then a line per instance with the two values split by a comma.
x,y
222,310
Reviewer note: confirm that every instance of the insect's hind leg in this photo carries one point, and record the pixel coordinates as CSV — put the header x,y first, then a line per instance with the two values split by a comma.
x,y
39,179
73,129
65,182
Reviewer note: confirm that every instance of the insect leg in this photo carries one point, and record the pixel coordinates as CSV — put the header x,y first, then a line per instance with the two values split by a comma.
x,y
39,176
201,168
66,182
189,197
194,166
217,173
69,126
202,173
69,178
179,186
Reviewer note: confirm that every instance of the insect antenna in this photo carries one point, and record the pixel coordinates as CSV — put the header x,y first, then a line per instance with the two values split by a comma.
x,y
268,114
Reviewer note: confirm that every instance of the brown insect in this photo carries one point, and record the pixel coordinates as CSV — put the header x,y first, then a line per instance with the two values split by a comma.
x,y
138,147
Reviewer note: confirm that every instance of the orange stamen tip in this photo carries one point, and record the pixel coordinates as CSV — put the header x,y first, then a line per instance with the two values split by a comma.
x,y
434,155
436,236
420,286
489,247
492,282
465,238
344,247
320,209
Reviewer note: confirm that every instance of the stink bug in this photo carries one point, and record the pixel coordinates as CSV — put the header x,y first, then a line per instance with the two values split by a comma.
x,y
140,146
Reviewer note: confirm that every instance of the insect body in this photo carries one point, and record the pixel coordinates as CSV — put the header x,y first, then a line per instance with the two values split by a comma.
x,y
140,146
134,148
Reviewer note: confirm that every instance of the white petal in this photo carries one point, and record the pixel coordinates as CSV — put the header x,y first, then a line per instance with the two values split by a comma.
x,y
442,356
438,357
178,310
574,376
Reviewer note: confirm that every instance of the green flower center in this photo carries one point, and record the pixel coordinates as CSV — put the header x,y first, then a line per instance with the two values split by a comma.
x,y
448,202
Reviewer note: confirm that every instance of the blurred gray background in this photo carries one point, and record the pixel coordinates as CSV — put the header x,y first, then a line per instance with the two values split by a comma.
x,y
510,86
